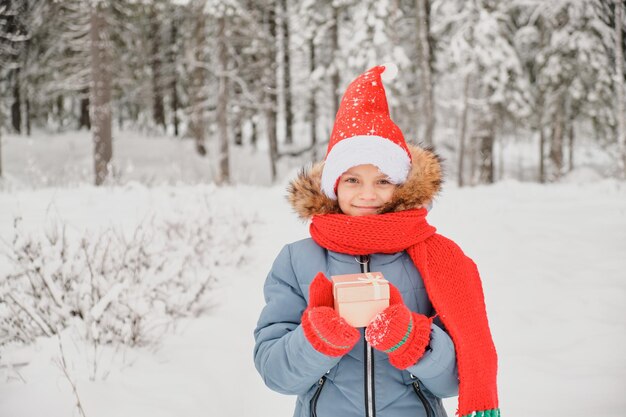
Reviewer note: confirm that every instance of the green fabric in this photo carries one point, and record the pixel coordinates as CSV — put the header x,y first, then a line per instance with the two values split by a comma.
x,y
485,413
328,342
406,336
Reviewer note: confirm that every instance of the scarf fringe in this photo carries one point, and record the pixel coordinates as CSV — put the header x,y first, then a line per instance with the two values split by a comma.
x,y
494,412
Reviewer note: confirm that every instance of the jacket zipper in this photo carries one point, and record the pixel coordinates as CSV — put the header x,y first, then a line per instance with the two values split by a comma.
x,y
313,403
370,397
418,390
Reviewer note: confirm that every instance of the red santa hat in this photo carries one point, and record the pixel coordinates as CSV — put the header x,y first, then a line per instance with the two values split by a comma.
x,y
364,132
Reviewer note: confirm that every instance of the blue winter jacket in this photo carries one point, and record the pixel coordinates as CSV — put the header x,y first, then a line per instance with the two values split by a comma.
x,y
331,386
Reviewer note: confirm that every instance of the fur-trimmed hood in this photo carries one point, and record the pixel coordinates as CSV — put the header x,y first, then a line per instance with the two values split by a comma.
x,y
422,185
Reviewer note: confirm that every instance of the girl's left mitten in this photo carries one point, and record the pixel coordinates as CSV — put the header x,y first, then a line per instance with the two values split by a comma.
x,y
327,332
399,332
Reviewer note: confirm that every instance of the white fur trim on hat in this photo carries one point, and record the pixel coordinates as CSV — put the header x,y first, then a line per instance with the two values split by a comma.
x,y
390,159
390,72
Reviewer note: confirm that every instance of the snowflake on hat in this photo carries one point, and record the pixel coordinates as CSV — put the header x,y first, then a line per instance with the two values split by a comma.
x,y
364,132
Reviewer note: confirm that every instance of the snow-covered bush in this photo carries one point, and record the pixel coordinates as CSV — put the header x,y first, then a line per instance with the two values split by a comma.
x,y
117,287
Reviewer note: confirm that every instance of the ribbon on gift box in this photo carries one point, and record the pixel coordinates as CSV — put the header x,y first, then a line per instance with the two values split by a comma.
x,y
374,279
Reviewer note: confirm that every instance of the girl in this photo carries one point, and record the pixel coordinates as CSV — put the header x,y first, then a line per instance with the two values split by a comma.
x,y
366,204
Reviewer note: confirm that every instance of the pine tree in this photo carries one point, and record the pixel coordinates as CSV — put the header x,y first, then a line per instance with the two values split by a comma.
x,y
286,48
619,84
572,74
222,12
171,71
13,38
197,62
271,96
157,56
425,52
482,45
314,20
57,62
311,20
100,92
381,32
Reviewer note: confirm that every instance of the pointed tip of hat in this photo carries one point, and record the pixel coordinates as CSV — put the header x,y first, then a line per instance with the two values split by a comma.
x,y
390,72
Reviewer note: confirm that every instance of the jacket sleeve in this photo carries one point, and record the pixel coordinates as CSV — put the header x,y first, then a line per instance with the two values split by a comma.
x,y
437,369
283,356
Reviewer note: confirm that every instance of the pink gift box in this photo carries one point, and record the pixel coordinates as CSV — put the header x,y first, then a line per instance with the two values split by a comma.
x,y
359,297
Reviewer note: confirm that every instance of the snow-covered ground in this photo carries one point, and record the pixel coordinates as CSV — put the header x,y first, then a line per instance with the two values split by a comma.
x,y
66,159
551,257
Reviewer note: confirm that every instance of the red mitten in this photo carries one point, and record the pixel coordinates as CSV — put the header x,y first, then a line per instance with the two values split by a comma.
x,y
399,332
323,328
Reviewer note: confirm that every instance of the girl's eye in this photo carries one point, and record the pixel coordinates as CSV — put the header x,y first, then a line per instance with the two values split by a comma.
x,y
384,182
351,180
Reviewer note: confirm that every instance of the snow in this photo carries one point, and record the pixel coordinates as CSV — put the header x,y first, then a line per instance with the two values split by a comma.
x,y
551,257
65,159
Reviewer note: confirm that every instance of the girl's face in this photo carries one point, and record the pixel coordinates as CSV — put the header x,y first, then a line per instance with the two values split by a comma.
x,y
363,190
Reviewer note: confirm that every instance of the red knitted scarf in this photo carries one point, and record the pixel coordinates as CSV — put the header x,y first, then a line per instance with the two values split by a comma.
x,y
452,283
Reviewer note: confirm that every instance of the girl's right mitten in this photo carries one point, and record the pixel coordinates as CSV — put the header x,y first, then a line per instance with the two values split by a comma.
x,y
327,332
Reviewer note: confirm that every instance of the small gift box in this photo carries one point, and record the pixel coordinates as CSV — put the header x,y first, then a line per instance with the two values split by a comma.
x,y
359,297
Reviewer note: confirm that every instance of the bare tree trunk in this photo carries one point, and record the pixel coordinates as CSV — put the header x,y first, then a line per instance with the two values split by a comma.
x,y
273,140
498,126
485,138
28,116
287,74
0,148
486,153
542,140
158,110
197,119
173,90
466,84
500,141
542,155
312,101
253,134
237,114
571,146
16,107
335,56
474,143
84,120
100,95
619,80
25,94
222,103
425,57
556,139
238,133
60,111
120,119
270,113
175,106
473,154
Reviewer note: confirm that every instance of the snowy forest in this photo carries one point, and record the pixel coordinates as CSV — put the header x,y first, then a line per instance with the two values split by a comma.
x,y
501,89
145,151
